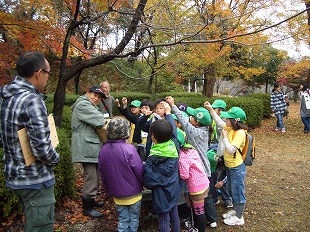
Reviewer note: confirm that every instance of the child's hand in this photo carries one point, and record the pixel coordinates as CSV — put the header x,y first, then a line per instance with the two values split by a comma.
x,y
170,100
117,103
167,108
208,106
148,112
219,184
124,101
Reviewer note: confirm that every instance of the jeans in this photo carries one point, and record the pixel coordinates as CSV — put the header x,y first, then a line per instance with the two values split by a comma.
x,y
128,217
171,217
224,190
306,122
38,208
280,123
210,210
235,183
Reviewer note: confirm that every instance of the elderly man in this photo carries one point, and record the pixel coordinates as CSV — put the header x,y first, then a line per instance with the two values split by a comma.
x,y
85,145
107,102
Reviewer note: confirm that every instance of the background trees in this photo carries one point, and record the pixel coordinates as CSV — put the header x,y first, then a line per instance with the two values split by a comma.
x,y
161,41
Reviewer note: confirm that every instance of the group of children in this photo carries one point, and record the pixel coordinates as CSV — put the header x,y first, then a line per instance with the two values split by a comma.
x,y
170,154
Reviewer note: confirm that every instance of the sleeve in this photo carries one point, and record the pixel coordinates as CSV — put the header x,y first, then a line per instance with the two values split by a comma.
x,y
129,116
149,178
39,132
143,123
219,122
183,168
88,113
136,164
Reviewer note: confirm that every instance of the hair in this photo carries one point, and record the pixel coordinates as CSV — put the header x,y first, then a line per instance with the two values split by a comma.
x,y
304,86
158,101
105,82
149,103
276,85
30,62
236,125
161,130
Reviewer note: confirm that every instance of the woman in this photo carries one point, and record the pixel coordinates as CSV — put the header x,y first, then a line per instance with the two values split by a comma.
x,y
278,105
305,106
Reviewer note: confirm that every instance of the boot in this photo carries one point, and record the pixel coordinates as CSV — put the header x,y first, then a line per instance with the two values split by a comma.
x,y
98,204
88,208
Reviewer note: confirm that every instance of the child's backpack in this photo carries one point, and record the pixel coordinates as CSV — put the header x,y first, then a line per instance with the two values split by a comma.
x,y
248,152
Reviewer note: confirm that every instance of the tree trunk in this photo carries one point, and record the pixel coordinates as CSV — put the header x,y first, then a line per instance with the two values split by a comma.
x,y
59,101
77,83
209,81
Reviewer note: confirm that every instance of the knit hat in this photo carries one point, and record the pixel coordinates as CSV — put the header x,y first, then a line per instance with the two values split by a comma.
x,y
212,157
118,129
201,114
218,103
235,113
135,103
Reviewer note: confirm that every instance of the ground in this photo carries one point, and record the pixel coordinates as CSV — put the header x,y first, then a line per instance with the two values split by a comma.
x,y
277,188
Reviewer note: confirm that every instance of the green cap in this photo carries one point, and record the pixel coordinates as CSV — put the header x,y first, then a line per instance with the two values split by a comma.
x,y
184,114
201,114
212,157
135,103
235,113
218,103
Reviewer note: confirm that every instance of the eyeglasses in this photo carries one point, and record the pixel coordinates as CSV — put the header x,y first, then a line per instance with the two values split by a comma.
x,y
49,72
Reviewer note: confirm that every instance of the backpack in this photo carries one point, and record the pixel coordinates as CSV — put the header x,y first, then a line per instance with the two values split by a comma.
x,y
248,152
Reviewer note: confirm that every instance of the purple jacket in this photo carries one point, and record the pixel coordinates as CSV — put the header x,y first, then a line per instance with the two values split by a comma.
x,y
121,169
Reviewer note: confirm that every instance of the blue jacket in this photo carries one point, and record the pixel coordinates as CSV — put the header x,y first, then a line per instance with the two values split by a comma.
x,y
162,177
121,169
144,124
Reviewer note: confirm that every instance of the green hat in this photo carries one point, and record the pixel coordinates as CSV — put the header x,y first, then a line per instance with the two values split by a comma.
x,y
201,114
212,157
184,114
218,103
135,103
235,113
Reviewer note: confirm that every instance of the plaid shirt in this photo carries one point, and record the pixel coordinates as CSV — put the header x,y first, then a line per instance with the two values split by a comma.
x,y
22,106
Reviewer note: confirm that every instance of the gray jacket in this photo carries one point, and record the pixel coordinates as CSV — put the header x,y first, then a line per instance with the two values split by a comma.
x,y
85,144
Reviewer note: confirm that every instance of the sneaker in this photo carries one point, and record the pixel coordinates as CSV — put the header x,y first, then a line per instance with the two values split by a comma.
x,y
277,129
213,225
283,130
218,202
234,221
229,214
187,224
229,205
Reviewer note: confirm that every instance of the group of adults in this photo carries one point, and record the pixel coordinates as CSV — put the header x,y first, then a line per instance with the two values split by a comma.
x,y
22,106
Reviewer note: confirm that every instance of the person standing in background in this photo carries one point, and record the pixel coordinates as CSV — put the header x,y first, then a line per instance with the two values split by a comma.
x,y
107,101
278,105
22,106
86,144
305,106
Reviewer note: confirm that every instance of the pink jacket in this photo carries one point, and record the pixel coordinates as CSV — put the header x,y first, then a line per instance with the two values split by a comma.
x,y
192,171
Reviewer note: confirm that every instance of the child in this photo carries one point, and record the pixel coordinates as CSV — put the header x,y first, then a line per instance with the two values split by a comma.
x,y
218,179
192,172
197,131
162,177
148,117
121,171
135,137
233,138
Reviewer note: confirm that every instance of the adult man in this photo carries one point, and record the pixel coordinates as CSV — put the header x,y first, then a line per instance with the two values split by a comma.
x,y
22,106
107,102
85,145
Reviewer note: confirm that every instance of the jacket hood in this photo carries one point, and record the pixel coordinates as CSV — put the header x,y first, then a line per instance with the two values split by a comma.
x,y
81,98
18,86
